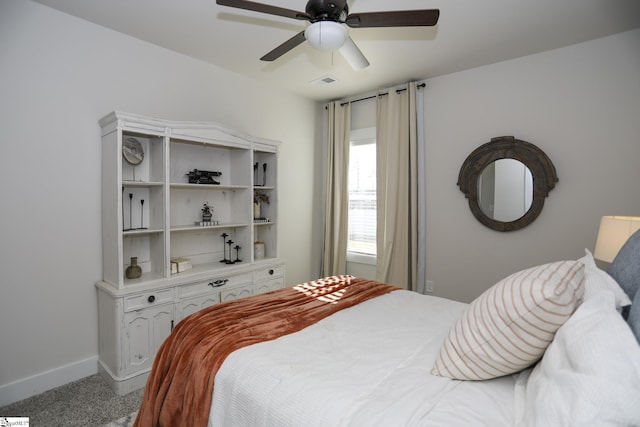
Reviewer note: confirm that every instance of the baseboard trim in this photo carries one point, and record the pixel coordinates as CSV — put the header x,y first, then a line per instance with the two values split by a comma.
x,y
39,383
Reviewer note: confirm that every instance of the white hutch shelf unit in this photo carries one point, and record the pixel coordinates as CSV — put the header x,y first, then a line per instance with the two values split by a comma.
x,y
152,212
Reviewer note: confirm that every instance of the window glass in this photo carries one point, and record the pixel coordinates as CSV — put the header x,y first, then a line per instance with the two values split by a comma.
x,y
362,193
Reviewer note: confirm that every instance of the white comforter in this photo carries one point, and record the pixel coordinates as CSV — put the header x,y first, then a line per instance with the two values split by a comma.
x,y
368,365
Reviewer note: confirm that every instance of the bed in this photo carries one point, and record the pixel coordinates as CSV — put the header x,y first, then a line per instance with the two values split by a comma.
x,y
550,345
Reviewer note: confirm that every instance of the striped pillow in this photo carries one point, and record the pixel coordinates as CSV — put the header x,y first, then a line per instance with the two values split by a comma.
x,y
509,326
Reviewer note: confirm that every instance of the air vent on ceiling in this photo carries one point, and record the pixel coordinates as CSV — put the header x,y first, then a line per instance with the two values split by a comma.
x,y
326,80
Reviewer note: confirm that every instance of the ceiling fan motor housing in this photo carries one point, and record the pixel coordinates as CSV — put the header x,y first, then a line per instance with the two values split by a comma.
x,y
324,10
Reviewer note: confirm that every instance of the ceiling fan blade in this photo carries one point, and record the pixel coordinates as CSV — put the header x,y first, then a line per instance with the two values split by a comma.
x,y
284,47
394,18
264,8
353,55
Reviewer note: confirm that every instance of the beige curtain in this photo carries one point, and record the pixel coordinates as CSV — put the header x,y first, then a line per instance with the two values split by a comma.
x,y
334,259
397,206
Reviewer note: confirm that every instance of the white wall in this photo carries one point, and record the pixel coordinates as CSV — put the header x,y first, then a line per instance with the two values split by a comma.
x,y
581,105
58,76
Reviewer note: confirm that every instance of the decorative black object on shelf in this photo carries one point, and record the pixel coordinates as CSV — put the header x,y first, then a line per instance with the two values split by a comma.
x,y
130,213
230,242
237,248
203,177
224,248
207,212
255,173
264,174
142,227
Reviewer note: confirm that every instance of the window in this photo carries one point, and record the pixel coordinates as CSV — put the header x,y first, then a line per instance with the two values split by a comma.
x,y
362,193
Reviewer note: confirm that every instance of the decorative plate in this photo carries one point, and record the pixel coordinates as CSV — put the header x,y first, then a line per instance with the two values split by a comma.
x,y
132,151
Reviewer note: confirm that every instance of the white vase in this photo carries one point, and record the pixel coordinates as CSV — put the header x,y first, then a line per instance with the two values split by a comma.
x,y
256,210
258,250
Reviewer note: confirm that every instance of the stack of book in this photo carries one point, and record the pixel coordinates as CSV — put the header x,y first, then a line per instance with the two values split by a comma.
x,y
178,265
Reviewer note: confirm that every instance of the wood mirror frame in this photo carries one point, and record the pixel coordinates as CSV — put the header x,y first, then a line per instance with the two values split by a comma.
x,y
508,147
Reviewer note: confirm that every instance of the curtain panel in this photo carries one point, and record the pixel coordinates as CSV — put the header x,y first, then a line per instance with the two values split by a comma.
x,y
397,183
334,259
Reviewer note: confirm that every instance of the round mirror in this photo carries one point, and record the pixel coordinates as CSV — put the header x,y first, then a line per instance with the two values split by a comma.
x,y
505,190
506,181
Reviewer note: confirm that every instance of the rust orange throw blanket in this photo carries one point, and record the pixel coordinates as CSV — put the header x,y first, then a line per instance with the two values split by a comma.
x,y
180,386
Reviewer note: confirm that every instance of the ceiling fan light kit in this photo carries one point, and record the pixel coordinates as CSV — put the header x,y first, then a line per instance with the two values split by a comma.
x,y
327,31
326,35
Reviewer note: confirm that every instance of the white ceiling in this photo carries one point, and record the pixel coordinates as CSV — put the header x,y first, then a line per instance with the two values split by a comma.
x,y
470,33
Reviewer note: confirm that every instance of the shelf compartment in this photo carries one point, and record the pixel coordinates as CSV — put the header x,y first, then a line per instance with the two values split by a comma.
x,y
232,163
206,246
151,169
207,187
148,247
267,233
149,214
179,228
230,206
141,184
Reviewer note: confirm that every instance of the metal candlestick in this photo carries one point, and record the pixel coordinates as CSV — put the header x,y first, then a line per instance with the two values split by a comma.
x,y
123,209
264,175
255,174
229,242
224,248
237,248
130,212
142,227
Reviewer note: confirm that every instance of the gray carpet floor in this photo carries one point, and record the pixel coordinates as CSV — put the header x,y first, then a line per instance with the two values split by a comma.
x,y
88,402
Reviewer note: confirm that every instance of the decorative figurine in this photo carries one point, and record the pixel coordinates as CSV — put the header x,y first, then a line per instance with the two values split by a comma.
x,y
207,212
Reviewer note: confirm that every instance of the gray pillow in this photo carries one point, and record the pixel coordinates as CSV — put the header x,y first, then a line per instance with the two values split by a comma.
x,y
634,316
625,268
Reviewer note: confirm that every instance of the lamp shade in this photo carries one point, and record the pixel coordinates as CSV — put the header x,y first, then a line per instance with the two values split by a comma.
x,y
613,233
326,35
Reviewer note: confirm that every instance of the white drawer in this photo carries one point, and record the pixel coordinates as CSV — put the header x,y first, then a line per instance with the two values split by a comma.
x,y
269,272
148,299
214,284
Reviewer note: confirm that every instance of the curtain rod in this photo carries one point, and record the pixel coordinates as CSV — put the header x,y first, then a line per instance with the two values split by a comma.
x,y
421,85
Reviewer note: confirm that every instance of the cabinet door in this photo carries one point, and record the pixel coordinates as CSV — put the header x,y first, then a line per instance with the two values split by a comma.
x,y
144,331
236,293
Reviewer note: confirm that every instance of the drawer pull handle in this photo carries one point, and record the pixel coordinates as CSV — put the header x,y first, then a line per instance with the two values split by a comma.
x,y
151,298
271,271
218,283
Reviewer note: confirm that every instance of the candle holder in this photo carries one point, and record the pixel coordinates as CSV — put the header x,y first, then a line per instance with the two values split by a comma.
x,y
130,213
237,248
224,248
229,242
142,227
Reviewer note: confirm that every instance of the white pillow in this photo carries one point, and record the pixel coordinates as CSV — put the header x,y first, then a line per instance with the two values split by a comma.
x,y
589,375
509,326
597,280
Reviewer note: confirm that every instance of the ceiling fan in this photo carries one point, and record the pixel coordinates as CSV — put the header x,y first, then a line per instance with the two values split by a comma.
x,y
327,31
